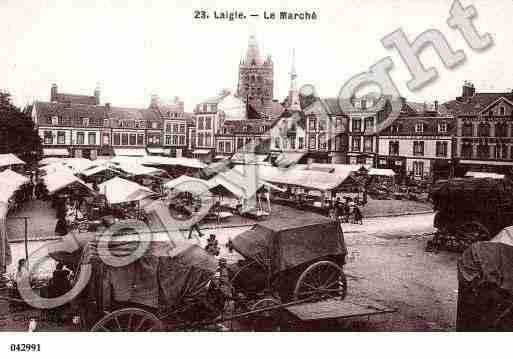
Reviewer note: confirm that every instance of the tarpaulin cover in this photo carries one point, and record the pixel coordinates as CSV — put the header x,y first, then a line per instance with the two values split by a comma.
x,y
290,242
157,279
488,263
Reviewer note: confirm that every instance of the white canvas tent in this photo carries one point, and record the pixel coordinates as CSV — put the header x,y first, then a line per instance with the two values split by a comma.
x,y
14,177
384,172
59,180
9,159
118,190
484,175
186,179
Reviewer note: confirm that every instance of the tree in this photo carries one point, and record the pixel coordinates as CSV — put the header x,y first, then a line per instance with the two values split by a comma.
x,y
17,132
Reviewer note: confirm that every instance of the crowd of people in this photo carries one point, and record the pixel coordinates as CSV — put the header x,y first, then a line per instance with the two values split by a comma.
x,y
345,211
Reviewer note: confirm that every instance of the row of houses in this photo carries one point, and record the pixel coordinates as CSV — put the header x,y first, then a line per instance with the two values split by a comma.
x,y
475,128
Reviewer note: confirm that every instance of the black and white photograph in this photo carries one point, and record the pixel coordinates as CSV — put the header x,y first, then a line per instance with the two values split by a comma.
x,y
238,167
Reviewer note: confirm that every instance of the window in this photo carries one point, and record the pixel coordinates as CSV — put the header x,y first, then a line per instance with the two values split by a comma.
x,y
240,143
356,144
174,140
48,120
175,128
85,122
106,139
48,137
501,129
277,142
418,168
419,127
168,140
117,141
61,138
367,144
182,128
483,151
208,123
91,138
208,140
442,127
504,154
292,142
220,146
356,125
154,125
466,150
106,122
228,147
323,124
484,130
322,142
312,124
418,148
369,123
393,148
55,120
124,139
80,138
300,143
490,113
133,139
468,129
311,142
200,123
502,111
441,149
182,140
168,127
140,139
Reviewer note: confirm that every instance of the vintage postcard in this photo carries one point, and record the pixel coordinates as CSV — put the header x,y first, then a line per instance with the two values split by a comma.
x,y
242,166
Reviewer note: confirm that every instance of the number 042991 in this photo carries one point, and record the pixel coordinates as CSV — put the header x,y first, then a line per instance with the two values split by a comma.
x,y
25,347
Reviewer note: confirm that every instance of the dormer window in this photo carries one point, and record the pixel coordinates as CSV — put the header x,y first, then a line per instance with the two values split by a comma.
x,y
55,120
419,127
442,127
502,111
85,121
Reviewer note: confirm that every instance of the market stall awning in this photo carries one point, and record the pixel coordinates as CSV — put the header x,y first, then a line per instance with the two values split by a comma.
x,y
47,152
14,177
484,175
57,181
287,159
9,159
98,169
131,152
186,179
56,167
78,165
248,157
119,190
49,160
173,161
156,150
489,163
202,152
386,172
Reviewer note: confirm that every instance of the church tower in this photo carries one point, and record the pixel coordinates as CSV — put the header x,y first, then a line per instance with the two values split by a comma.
x,y
256,78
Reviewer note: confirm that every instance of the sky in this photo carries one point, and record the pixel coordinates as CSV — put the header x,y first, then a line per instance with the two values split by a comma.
x,y
134,49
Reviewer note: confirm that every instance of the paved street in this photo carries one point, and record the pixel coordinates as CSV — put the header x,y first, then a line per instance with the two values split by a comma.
x,y
386,263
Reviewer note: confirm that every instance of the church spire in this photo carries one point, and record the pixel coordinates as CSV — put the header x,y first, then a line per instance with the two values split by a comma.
x,y
253,53
293,91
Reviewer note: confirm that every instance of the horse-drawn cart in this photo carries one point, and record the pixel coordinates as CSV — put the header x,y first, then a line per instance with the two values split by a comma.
x,y
286,270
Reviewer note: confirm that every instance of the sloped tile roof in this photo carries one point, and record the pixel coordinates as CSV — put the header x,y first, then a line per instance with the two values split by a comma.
x,y
473,105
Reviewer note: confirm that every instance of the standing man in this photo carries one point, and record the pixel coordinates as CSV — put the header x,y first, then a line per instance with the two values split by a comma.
x,y
268,199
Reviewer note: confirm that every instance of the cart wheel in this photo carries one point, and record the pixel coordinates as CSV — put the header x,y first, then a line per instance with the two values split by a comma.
x,y
268,320
129,320
323,279
470,232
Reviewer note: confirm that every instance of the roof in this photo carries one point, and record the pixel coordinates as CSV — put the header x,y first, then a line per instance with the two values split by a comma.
x,y
73,112
473,105
130,152
8,159
184,179
58,180
484,175
287,159
55,152
298,221
381,172
13,177
173,161
119,190
74,98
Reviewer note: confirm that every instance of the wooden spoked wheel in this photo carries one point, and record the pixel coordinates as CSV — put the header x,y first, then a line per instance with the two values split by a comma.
x,y
129,320
321,280
266,320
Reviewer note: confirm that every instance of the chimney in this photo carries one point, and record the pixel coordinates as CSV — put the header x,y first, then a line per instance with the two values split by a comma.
x,y
468,89
436,106
53,93
97,95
